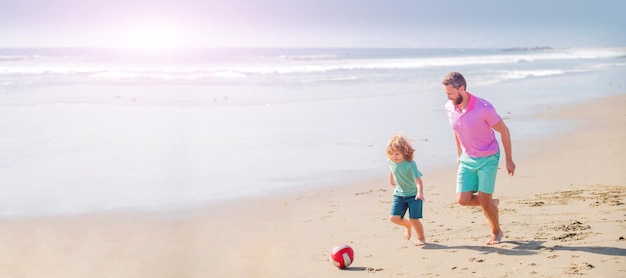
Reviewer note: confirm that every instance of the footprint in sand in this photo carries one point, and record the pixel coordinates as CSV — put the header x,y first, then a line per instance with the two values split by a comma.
x,y
576,269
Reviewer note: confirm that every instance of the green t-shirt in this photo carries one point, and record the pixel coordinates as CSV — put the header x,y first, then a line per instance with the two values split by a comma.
x,y
405,173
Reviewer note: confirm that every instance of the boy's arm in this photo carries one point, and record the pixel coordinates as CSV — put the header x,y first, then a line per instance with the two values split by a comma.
x,y
391,180
420,189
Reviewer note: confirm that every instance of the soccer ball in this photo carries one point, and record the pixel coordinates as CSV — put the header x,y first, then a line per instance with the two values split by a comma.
x,y
342,255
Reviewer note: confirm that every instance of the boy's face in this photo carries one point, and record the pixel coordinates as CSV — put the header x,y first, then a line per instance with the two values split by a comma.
x,y
396,156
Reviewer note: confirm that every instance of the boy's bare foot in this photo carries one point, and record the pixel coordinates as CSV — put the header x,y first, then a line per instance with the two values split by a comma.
x,y
495,238
420,242
407,234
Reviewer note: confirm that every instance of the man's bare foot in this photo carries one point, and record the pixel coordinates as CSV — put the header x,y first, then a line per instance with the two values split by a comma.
x,y
495,201
495,238
420,242
407,234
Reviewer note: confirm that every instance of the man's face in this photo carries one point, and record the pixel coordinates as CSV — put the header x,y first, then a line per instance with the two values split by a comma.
x,y
453,94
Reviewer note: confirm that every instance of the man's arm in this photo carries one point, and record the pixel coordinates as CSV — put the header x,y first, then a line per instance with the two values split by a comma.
x,y
501,128
459,150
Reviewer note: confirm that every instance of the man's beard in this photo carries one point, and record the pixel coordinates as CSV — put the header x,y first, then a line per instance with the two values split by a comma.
x,y
459,99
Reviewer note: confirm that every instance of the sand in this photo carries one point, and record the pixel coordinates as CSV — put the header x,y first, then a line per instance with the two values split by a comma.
x,y
563,214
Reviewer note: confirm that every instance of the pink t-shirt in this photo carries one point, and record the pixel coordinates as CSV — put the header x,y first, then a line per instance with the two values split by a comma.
x,y
473,126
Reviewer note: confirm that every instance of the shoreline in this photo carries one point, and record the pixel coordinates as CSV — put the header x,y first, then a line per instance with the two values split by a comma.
x,y
562,215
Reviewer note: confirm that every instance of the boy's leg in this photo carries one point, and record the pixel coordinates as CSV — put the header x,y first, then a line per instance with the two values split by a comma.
x,y
415,213
419,230
396,219
398,209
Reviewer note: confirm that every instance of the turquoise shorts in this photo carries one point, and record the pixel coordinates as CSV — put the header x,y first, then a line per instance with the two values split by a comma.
x,y
400,205
477,174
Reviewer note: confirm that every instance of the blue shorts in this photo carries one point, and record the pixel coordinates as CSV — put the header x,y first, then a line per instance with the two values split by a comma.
x,y
401,204
477,174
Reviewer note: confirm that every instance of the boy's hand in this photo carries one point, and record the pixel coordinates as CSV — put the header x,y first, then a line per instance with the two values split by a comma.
x,y
419,196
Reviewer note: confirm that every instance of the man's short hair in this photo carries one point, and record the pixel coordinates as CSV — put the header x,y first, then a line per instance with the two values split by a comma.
x,y
455,79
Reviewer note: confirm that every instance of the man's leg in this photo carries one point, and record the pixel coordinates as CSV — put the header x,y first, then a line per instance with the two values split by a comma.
x,y
490,210
467,199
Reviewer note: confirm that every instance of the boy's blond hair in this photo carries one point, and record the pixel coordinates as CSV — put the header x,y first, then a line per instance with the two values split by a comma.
x,y
400,143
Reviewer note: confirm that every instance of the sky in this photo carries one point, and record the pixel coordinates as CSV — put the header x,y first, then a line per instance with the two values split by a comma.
x,y
312,23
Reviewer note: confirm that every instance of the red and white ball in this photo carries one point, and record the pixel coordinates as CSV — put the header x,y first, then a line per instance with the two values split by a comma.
x,y
342,255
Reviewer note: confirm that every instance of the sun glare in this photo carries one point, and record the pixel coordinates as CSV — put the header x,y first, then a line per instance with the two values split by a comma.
x,y
152,35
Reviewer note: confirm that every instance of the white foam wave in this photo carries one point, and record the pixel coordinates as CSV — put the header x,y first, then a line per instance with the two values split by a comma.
x,y
590,53
47,69
113,75
165,76
313,64
418,63
501,76
309,57
12,58
228,74
331,79
531,73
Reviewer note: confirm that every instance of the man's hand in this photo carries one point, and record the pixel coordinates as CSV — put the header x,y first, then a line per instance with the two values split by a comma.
x,y
510,167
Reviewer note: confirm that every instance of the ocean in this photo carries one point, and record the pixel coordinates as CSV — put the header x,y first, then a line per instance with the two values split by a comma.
x,y
97,130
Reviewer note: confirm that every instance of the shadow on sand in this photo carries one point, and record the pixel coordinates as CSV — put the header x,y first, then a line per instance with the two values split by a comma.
x,y
361,268
520,248
524,248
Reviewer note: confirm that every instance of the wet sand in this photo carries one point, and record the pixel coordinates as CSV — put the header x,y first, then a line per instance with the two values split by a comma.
x,y
563,214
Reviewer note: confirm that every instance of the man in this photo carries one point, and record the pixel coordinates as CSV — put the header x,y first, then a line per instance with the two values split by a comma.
x,y
474,120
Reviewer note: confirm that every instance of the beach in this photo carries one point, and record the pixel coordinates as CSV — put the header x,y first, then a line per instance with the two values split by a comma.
x,y
562,215
104,130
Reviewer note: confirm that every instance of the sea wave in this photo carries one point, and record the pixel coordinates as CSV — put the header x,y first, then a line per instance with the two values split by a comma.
x,y
309,57
331,79
493,77
5,58
124,75
536,48
520,74
419,63
297,65
169,75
